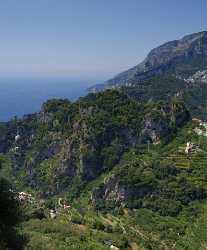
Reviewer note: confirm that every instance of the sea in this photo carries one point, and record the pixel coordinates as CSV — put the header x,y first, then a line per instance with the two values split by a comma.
x,y
26,95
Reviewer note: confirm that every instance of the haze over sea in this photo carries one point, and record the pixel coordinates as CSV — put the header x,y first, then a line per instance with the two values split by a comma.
x,y
23,96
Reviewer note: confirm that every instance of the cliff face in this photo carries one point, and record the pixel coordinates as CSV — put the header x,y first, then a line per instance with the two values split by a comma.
x,y
167,58
66,141
188,47
118,165
113,191
175,69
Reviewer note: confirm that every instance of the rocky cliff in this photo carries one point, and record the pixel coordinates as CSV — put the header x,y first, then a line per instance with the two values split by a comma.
x,y
108,170
66,141
171,57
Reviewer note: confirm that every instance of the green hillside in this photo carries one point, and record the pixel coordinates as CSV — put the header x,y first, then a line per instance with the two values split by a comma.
x,y
119,168
175,69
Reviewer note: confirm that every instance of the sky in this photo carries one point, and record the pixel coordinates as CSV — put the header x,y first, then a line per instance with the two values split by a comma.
x,y
89,38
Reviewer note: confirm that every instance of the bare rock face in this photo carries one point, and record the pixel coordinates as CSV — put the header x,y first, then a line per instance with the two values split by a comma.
x,y
89,167
110,190
44,116
156,126
188,46
152,130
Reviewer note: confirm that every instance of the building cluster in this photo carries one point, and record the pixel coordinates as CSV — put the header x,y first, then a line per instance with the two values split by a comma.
x,y
189,147
25,197
199,76
61,205
201,129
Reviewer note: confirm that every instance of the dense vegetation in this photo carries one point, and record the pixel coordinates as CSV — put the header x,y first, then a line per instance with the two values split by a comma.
x,y
10,217
120,165
165,87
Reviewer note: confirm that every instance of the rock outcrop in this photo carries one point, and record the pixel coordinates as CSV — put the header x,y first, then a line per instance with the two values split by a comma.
x,y
82,140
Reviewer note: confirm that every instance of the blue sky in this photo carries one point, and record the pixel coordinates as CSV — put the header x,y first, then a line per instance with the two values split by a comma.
x,y
89,38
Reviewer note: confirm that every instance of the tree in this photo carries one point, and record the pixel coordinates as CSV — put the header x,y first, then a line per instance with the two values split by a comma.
x,y
10,216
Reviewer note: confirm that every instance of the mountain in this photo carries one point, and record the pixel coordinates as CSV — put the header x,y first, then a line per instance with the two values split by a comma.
x,y
170,57
174,69
108,172
123,168
85,138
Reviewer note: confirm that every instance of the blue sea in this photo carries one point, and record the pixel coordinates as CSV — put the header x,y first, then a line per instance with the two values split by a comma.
x,y
24,96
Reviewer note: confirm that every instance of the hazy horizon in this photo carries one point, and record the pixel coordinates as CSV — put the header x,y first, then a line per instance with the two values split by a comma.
x,y
83,39
57,49
20,96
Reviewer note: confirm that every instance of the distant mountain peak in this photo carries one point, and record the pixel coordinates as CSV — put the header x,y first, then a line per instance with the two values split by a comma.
x,y
162,59
194,36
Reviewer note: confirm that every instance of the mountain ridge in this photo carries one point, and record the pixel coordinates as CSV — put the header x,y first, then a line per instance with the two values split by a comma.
x,y
193,44
120,169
